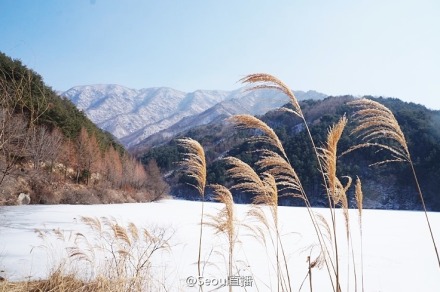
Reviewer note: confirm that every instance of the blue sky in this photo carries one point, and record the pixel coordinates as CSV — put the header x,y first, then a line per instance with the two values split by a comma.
x,y
376,47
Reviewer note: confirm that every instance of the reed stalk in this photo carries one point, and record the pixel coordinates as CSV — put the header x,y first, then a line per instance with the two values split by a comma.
x,y
359,196
267,81
376,123
194,164
224,222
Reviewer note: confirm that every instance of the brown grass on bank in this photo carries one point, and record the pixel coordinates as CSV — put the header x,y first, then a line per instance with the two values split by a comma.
x,y
49,189
112,257
59,282
56,283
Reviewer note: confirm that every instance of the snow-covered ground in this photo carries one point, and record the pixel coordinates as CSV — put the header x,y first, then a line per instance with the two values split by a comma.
x,y
398,252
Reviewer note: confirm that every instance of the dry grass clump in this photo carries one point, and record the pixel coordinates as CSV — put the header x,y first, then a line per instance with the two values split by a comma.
x,y
131,250
60,282
56,282
112,257
80,195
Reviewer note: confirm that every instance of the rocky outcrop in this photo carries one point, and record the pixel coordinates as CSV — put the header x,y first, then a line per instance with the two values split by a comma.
x,y
23,199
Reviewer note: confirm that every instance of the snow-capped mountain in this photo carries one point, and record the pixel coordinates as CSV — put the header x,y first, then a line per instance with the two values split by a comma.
x,y
121,110
245,102
134,115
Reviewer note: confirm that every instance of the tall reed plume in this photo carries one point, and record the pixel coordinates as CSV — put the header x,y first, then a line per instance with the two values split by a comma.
x,y
224,222
267,81
265,193
194,164
251,122
338,192
276,172
359,196
375,123
329,155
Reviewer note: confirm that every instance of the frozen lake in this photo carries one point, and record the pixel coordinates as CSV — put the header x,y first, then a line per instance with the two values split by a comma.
x,y
398,253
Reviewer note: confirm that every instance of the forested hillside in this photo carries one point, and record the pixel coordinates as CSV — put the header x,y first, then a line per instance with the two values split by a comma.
x,y
389,186
53,152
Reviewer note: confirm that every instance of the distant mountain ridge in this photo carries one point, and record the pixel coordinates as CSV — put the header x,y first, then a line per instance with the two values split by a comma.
x,y
134,116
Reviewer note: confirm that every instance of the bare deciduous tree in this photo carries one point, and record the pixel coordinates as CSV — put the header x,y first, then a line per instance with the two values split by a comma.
x,y
54,146
92,157
155,182
14,142
112,167
81,149
44,146
68,156
88,154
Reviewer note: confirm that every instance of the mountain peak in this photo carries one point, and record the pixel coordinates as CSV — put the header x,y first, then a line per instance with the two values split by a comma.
x,y
133,115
